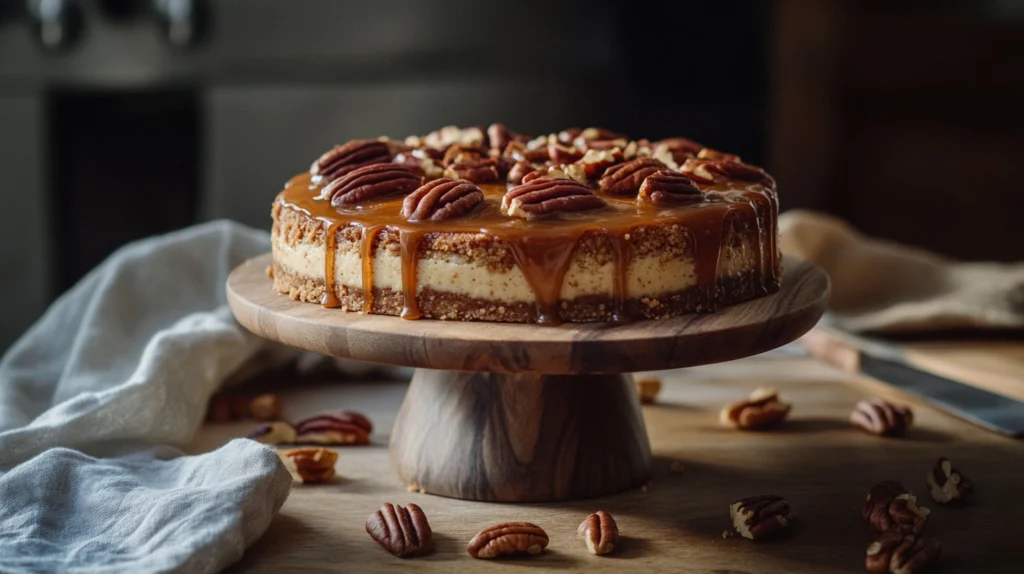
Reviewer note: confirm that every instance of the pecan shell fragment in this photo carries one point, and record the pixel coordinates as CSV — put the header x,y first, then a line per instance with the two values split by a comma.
x,y
342,159
508,538
401,530
880,417
546,196
441,199
666,187
626,178
371,182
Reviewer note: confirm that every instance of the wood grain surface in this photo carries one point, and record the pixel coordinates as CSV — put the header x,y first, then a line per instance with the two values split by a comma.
x,y
674,525
733,332
520,438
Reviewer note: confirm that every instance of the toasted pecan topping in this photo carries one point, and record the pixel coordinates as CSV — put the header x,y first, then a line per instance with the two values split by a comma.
x,y
343,159
371,182
441,199
666,187
626,178
546,196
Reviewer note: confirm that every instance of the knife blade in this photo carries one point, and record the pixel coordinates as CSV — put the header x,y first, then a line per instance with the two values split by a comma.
x,y
884,362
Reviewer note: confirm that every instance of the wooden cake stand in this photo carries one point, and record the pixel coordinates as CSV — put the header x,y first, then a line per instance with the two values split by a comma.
x,y
515,412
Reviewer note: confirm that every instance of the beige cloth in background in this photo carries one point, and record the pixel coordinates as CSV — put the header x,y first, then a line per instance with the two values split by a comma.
x,y
887,287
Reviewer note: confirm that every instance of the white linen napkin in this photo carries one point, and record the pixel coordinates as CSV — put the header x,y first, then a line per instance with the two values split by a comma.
x,y
123,362
884,287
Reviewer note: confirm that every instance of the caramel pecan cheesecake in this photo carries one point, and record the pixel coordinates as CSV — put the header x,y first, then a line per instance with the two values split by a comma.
x,y
489,225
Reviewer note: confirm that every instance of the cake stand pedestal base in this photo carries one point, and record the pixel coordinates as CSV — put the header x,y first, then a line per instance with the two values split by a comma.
x,y
520,437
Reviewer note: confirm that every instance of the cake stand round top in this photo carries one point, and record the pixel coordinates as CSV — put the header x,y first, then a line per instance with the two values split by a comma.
x,y
571,348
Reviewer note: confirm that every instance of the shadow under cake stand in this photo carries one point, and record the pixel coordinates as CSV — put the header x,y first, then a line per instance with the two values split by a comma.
x,y
523,413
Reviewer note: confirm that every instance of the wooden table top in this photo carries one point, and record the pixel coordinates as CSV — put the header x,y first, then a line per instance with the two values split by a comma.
x,y
676,523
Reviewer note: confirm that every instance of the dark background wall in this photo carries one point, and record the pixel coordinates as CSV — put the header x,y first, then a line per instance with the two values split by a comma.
x,y
121,119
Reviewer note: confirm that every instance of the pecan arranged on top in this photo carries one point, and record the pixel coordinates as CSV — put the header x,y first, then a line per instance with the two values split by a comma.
x,y
554,172
309,465
449,136
762,410
461,154
401,530
441,199
947,484
666,187
757,517
600,533
600,138
342,159
898,553
560,153
890,506
595,162
371,182
518,170
334,428
626,178
508,538
479,170
712,154
278,432
709,171
679,149
546,196
878,416
420,162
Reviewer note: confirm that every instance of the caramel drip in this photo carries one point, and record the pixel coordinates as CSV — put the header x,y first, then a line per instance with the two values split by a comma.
x,y
369,234
706,233
330,296
773,239
620,287
410,242
754,205
544,261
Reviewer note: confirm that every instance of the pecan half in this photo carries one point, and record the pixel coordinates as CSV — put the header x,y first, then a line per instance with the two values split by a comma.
x,y
560,153
277,432
757,517
679,149
499,136
508,538
599,138
481,170
334,428
898,553
762,409
947,484
441,199
554,172
459,154
401,530
880,417
599,532
647,390
666,187
567,135
626,178
890,506
709,171
420,162
265,407
342,159
371,182
309,465
520,169
708,153
533,151
448,136
546,196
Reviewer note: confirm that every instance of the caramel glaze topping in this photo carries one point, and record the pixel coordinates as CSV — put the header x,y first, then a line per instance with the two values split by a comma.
x,y
543,248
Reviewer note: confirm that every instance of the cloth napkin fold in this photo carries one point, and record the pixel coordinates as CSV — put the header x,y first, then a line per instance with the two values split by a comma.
x,y
123,362
880,286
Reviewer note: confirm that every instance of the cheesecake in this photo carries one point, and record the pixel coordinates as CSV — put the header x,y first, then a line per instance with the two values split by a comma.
x,y
474,224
